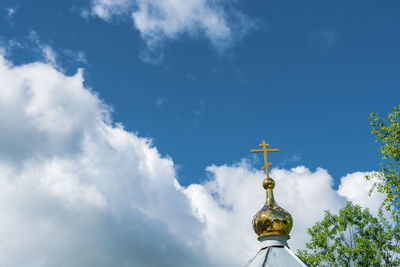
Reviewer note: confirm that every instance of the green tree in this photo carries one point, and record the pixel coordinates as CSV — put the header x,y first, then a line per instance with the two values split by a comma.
x,y
354,237
387,131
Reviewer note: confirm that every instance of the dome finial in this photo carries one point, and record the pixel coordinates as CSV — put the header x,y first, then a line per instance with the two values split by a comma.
x,y
271,220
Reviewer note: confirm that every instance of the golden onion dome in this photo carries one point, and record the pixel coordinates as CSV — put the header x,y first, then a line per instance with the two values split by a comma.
x,y
272,220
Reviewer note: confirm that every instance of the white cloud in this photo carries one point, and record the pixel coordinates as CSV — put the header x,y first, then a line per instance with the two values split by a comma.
x,y
355,189
107,9
161,20
78,190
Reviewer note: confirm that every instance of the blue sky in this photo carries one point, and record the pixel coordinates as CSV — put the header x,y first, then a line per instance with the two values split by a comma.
x,y
304,77
124,123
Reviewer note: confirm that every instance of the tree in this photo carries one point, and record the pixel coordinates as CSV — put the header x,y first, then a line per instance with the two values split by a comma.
x,y
354,237
387,131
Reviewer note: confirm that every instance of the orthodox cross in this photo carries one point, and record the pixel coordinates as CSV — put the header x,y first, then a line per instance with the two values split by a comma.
x,y
265,150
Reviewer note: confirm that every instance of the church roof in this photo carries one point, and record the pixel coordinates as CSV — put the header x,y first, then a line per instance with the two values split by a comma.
x,y
275,252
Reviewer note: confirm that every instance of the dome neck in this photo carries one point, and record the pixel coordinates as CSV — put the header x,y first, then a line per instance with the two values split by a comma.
x,y
270,197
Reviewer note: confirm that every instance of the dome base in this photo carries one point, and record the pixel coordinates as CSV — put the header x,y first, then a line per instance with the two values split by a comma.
x,y
274,240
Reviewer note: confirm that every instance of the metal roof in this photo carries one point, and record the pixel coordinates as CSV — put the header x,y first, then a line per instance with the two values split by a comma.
x,y
275,253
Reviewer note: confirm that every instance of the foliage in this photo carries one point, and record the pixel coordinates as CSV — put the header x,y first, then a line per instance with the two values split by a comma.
x,y
354,237
387,131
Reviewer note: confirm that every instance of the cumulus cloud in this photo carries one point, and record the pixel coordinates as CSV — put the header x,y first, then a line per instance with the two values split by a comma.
x,y
79,190
159,21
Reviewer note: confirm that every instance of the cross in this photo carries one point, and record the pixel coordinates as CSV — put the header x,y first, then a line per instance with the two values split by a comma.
x,y
265,150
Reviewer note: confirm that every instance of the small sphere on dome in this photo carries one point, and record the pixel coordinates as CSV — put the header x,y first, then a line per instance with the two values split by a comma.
x,y
268,183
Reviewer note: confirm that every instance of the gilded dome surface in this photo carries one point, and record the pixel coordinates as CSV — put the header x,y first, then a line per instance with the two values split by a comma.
x,y
272,219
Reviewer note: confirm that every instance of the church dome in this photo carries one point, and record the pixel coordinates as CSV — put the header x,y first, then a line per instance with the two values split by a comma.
x,y
272,220
272,224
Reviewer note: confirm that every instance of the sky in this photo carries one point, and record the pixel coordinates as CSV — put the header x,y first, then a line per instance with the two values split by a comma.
x,y
126,125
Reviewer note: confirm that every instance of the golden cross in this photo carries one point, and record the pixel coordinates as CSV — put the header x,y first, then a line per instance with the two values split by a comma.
x,y
265,150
